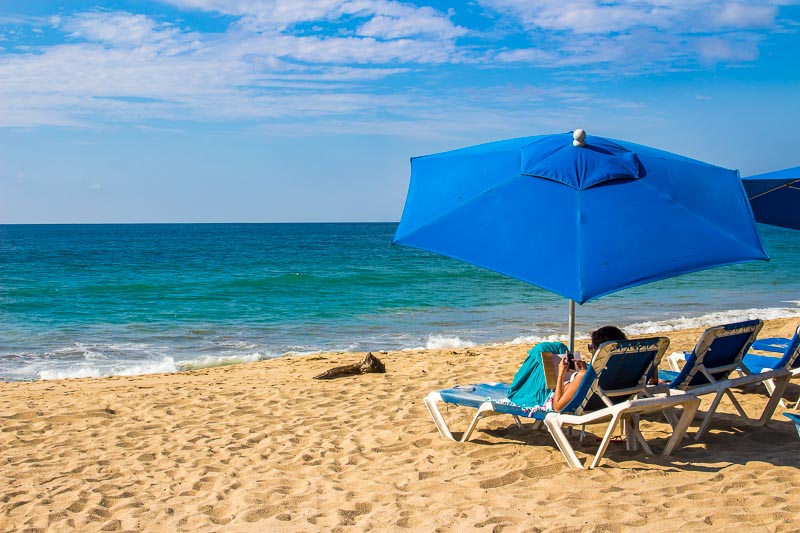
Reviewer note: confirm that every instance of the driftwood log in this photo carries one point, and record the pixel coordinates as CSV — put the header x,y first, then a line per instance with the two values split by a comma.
x,y
370,364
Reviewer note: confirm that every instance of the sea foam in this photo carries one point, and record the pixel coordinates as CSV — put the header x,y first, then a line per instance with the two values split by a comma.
x,y
534,339
712,319
211,361
437,342
167,364
93,365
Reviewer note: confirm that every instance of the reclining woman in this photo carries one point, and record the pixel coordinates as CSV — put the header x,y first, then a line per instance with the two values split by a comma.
x,y
529,388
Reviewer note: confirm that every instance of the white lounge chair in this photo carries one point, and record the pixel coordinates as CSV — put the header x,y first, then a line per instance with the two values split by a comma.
x,y
613,388
710,367
789,359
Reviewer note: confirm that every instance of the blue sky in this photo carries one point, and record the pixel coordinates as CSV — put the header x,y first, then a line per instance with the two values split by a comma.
x,y
309,110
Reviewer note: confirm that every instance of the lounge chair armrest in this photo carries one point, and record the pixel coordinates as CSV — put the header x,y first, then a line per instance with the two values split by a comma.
x,y
659,403
676,360
662,389
748,379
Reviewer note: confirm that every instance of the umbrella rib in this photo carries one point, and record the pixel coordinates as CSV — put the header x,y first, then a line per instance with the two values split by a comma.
x,y
788,185
705,219
652,279
460,205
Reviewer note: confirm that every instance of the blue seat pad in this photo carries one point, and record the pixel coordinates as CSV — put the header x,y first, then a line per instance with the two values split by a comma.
x,y
771,344
667,375
758,363
480,393
793,417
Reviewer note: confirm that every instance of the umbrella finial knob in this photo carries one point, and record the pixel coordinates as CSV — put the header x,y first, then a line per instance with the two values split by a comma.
x,y
579,137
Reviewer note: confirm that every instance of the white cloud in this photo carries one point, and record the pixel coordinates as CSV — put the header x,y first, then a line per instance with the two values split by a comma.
x,y
601,16
120,29
580,16
268,12
384,19
415,24
130,67
744,16
652,34
526,55
716,49
348,50
328,58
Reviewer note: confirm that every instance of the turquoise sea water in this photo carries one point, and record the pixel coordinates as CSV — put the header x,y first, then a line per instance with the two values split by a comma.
x,y
95,300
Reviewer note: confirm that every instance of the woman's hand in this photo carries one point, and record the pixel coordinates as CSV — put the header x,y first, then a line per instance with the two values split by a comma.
x,y
564,392
563,367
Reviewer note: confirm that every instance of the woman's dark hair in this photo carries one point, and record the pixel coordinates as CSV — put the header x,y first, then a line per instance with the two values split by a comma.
x,y
607,333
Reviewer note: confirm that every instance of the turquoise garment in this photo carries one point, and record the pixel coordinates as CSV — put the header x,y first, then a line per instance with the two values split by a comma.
x,y
529,387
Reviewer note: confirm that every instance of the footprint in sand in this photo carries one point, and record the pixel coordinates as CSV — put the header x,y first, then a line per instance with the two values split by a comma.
x,y
348,517
262,513
498,521
501,481
543,471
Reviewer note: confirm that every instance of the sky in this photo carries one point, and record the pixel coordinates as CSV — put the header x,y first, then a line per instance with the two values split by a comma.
x,y
310,110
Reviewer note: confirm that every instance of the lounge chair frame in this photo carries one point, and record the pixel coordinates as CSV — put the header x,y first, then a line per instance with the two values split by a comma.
x,y
790,360
631,402
703,377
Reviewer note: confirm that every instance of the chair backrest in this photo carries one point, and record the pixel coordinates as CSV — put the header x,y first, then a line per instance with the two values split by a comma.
x,y
617,372
791,357
718,352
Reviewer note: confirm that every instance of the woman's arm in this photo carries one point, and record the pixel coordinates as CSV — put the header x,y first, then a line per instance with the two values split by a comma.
x,y
564,393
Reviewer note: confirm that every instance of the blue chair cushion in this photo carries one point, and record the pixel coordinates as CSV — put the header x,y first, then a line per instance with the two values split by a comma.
x,y
771,344
476,395
758,363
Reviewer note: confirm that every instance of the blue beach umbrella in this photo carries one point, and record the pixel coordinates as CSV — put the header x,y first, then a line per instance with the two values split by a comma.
x,y
775,197
581,216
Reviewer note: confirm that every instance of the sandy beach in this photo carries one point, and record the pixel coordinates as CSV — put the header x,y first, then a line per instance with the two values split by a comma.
x,y
264,447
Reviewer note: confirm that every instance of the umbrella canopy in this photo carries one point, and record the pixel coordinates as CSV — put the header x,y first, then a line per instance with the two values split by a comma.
x,y
775,197
579,216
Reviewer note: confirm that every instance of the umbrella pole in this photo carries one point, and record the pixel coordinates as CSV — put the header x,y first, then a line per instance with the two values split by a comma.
x,y
572,325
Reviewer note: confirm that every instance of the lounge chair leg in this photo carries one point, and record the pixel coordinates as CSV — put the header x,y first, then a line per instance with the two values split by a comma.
x,y
736,404
612,425
483,410
689,410
709,415
561,441
779,389
431,402
635,436
631,441
672,418
674,361
769,384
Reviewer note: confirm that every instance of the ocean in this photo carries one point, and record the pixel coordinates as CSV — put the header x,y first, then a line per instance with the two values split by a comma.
x,y
124,299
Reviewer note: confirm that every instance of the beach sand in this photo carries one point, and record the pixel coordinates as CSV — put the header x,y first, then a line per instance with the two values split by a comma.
x,y
264,447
